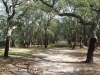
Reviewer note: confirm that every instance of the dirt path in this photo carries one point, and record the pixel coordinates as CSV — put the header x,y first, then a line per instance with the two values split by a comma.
x,y
54,61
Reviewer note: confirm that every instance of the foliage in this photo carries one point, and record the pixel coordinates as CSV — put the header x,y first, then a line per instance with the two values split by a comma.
x,y
32,18
2,43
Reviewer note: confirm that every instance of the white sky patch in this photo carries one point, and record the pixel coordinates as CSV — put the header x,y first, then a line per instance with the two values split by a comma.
x,y
1,6
58,17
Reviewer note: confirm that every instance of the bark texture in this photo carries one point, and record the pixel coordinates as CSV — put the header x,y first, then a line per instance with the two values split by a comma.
x,y
7,46
91,49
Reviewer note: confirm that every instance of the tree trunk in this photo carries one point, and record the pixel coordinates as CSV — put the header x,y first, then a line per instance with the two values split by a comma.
x,y
9,31
75,41
74,45
91,50
80,42
26,44
38,42
45,42
29,42
41,42
7,46
46,38
69,42
92,44
13,43
84,36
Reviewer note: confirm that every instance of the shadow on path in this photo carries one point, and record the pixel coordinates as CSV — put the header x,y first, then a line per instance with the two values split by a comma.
x,y
55,61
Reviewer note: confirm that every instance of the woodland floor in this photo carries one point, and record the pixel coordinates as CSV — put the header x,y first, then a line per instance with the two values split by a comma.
x,y
52,61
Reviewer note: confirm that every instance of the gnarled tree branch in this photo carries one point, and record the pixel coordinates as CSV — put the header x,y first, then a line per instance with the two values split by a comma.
x,y
69,14
11,16
5,4
47,4
78,17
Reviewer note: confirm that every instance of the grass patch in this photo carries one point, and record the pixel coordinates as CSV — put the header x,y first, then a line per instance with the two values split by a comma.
x,y
57,44
11,53
27,52
1,52
24,52
17,53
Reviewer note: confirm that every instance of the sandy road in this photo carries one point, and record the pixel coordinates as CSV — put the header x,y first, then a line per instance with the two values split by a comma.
x,y
55,61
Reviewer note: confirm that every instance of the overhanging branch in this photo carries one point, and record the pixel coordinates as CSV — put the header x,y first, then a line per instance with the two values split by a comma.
x,y
76,16
47,4
69,14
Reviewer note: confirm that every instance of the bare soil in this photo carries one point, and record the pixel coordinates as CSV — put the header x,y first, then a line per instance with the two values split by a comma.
x,y
53,61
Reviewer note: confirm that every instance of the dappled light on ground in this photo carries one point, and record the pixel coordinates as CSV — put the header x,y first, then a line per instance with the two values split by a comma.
x,y
54,61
